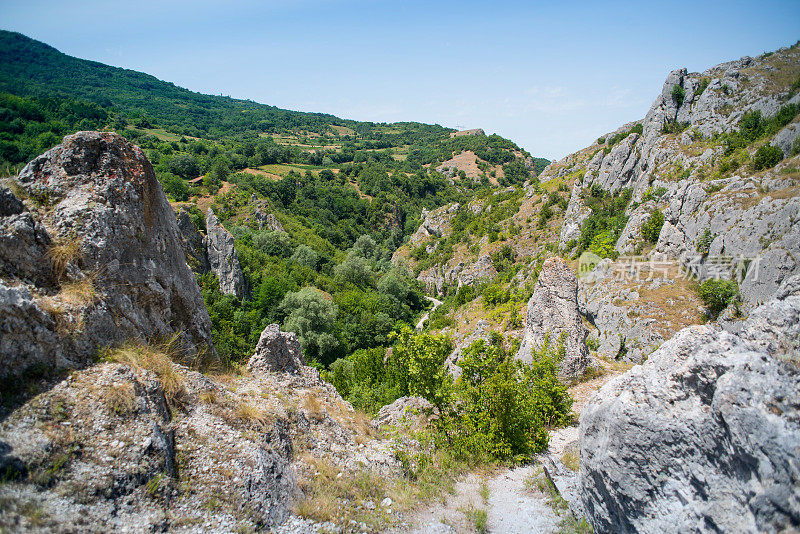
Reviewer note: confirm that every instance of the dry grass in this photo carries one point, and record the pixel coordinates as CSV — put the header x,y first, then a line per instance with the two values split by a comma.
x,y
208,396
62,253
16,189
336,495
78,293
60,316
249,414
121,398
570,460
156,359
313,405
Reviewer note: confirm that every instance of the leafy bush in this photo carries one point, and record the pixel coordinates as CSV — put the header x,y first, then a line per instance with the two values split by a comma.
x,y
718,294
601,230
601,140
652,228
499,407
175,187
494,295
767,157
673,127
703,85
654,194
678,94
704,241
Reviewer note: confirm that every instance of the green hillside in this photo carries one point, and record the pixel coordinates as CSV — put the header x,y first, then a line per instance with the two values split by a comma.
x,y
348,193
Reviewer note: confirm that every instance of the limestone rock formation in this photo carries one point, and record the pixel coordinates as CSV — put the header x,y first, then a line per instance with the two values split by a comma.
x,y
222,257
553,316
434,223
112,450
276,352
193,244
703,436
752,215
412,412
95,257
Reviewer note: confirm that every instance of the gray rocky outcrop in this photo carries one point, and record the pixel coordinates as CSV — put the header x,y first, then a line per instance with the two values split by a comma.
x,y
577,212
110,449
459,274
276,351
405,412
553,318
787,139
96,211
194,246
753,217
623,331
222,257
631,235
703,436
435,223
24,244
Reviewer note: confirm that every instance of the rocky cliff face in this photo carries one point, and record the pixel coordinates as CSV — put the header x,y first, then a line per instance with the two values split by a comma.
x,y
91,259
194,245
751,217
222,257
702,437
553,319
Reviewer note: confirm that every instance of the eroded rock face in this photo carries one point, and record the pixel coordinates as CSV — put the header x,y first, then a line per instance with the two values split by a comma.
x,y
754,216
107,454
703,436
193,244
222,257
553,317
276,352
122,274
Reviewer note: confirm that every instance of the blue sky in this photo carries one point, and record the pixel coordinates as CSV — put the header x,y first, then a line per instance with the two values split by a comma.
x,y
551,76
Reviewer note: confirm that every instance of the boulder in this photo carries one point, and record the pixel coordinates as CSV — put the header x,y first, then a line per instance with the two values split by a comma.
x,y
121,272
276,352
553,317
703,436
786,139
406,411
222,257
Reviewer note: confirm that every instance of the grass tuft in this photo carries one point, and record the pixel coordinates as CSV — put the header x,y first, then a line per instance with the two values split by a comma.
x,y
62,253
156,359
121,399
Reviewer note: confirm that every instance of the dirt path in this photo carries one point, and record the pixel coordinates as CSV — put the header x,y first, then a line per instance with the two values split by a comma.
x,y
515,504
436,304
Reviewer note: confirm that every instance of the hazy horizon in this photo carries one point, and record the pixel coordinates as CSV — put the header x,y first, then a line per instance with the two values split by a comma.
x,y
550,77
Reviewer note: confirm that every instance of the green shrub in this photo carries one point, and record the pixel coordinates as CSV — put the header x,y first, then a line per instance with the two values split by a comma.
x,y
654,194
652,228
719,294
499,407
704,241
601,230
601,140
767,157
703,85
494,295
678,94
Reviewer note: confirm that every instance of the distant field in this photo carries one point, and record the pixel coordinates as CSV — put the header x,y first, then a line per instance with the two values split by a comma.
x,y
283,169
161,134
